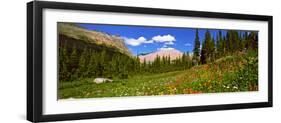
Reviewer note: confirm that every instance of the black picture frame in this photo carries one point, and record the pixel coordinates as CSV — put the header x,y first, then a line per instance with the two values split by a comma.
x,y
34,60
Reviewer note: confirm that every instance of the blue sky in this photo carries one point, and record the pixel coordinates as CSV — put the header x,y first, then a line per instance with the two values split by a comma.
x,y
145,39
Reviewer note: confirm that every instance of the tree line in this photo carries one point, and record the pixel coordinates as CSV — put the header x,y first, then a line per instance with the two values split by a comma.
x,y
84,61
88,63
232,42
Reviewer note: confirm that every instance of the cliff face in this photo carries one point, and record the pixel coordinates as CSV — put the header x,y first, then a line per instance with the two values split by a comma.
x,y
173,53
93,37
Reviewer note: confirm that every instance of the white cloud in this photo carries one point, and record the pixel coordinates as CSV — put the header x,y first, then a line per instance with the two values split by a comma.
x,y
142,38
188,44
136,42
165,48
164,38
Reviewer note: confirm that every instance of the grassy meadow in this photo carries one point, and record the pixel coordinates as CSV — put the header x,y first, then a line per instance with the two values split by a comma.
x,y
229,74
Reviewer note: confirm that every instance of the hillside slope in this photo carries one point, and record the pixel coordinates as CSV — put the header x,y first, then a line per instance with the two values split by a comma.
x,y
93,37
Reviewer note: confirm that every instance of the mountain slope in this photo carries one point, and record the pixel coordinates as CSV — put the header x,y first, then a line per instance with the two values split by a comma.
x,y
173,53
93,37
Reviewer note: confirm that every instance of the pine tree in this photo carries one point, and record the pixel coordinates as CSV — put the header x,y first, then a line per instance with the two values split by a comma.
x,y
220,45
92,65
138,64
212,50
253,41
156,63
169,60
228,42
101,66
203,53
241,43
64,73
232,41
207,48
183,61
196,50
83,64
73,63
224,45
144,65
235,40
163,64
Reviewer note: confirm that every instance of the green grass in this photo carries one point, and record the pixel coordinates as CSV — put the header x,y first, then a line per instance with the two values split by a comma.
x,y
134,86
229,74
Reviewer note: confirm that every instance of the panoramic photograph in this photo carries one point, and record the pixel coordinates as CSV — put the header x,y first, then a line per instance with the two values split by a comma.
x,y
102,60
